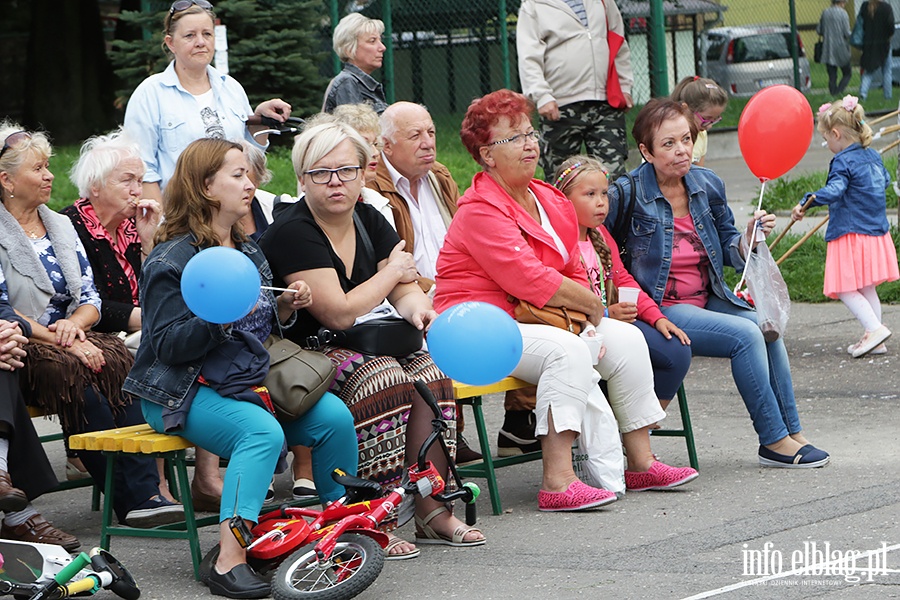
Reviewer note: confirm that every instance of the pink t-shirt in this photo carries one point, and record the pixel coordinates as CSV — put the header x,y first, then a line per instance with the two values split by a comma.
x,y
688,281
592,266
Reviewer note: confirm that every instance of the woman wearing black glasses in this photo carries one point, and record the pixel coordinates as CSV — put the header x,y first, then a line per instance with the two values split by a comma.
x,y
190,99
353,261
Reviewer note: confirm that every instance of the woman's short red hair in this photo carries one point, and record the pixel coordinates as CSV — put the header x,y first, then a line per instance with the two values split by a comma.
x,y
485,112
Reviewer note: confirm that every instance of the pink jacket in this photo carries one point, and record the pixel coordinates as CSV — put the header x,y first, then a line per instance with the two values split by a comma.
x,y
648,311
495,249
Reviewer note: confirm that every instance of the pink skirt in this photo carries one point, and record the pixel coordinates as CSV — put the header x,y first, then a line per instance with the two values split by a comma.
x,y
855,261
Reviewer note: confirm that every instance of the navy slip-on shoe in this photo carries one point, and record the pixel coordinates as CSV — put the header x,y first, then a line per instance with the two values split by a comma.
x,y
808,457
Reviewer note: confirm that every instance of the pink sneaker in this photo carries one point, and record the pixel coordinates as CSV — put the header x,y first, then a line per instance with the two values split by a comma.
x,y
579,496
658,477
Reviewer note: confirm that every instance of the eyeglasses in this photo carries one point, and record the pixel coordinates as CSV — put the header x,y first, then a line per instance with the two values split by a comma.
x,y
704,122
518,140
181,5
323,176
12,139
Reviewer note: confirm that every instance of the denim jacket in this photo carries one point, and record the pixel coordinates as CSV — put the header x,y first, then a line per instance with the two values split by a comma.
x,y
650,236
174,342
854,193
354,86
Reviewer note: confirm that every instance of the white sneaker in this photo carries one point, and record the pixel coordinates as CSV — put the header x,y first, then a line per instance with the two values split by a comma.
x,y
870,341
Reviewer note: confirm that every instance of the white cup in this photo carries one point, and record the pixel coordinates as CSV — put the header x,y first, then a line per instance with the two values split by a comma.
x,y
628,294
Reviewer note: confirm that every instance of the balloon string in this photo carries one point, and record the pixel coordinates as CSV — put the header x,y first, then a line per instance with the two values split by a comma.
x,y
762,191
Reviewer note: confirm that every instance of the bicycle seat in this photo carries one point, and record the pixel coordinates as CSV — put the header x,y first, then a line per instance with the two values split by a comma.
x,y
360,489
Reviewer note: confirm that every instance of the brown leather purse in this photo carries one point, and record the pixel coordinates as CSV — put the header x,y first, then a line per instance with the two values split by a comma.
x,y
573,321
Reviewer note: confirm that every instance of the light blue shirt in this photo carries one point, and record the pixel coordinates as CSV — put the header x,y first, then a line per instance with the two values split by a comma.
x,y
163,118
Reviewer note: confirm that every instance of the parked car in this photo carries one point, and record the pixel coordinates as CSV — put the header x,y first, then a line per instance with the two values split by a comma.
x,y
745,59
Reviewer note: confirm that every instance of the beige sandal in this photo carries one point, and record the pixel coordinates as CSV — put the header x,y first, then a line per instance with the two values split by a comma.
x,y
393,543
426,535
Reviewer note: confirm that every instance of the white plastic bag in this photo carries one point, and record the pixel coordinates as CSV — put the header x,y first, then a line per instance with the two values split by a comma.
x,y
597,454
768,291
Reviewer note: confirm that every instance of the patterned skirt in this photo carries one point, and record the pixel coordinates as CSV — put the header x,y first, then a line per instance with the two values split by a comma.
x,y
379,392
855,261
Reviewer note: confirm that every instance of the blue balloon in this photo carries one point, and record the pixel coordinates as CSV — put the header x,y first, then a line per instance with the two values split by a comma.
x,y
220,285
475,343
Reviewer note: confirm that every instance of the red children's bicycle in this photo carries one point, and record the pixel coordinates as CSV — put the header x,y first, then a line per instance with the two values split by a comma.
x,y
337,552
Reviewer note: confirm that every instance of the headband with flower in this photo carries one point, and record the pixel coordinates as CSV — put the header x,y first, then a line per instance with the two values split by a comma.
x,y
848,103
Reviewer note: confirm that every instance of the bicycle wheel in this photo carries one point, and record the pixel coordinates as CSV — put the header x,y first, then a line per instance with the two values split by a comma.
x,y
356,562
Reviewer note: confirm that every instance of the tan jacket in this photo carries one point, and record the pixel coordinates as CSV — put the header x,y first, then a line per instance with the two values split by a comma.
x,y
444,188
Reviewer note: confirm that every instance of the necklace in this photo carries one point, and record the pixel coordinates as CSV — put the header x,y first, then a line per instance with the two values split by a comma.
x,y
31,233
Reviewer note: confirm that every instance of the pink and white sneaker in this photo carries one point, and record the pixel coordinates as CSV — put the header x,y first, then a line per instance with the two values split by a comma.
x,y
578,496
659,476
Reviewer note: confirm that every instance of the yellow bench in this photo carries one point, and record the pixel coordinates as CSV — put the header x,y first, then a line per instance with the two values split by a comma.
x,y
141,439
471,395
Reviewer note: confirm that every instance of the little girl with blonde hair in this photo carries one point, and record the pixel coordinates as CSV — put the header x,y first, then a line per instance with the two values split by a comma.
x,y
860,252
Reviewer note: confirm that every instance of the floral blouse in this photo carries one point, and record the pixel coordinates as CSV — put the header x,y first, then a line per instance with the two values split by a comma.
x,y
59,303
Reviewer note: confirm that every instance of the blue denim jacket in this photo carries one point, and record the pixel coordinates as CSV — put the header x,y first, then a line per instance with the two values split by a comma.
x,y
854,193
174,342
649,239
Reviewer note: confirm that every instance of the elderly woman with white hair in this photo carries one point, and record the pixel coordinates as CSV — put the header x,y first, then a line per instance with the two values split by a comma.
x,y
70,369
357,42
353,261
115,223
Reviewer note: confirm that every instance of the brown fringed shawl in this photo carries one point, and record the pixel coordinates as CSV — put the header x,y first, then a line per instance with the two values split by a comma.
x,y
54,380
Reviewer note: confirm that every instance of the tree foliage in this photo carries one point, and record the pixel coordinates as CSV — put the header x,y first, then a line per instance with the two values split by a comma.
x,y
275,49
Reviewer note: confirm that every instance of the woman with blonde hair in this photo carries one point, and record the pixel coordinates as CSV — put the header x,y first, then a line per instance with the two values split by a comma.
x,y
354,261
357,42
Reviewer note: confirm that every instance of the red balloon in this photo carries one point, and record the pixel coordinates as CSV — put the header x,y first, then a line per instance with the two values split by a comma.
x,y
775,131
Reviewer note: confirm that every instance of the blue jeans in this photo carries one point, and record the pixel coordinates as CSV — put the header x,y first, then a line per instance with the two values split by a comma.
x,y
251,439
865,80
670,359
761,371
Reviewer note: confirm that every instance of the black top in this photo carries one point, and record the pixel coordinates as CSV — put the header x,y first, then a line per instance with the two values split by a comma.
x,y
295,242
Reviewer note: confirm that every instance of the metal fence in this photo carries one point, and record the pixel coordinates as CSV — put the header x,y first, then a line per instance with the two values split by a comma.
x,y
444,53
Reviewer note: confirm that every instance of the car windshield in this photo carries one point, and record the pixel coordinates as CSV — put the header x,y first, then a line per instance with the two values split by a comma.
x,y
763,46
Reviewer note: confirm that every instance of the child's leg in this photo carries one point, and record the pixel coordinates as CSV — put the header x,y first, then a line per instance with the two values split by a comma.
x,y
872,297
862,309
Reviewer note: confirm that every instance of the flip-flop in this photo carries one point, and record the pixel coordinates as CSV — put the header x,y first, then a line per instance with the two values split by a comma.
x,y
396,541
426,535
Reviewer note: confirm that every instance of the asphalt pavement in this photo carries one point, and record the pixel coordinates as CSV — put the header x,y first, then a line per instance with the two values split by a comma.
x,y
737,532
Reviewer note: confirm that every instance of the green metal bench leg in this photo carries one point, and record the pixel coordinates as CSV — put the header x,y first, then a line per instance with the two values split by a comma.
x,y
487,466
95,498
190,519
688,429
109,491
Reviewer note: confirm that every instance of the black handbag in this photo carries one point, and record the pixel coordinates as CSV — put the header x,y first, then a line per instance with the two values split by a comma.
x,y
389,336
817,51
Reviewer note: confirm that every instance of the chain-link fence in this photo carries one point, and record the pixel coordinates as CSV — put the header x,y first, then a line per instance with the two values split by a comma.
x,y
444,53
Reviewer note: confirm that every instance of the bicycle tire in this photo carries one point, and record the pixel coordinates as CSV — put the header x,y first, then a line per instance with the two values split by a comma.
x,y
356,563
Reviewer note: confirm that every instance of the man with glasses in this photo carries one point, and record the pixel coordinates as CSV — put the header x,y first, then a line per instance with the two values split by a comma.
x,y
575,65
422,195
